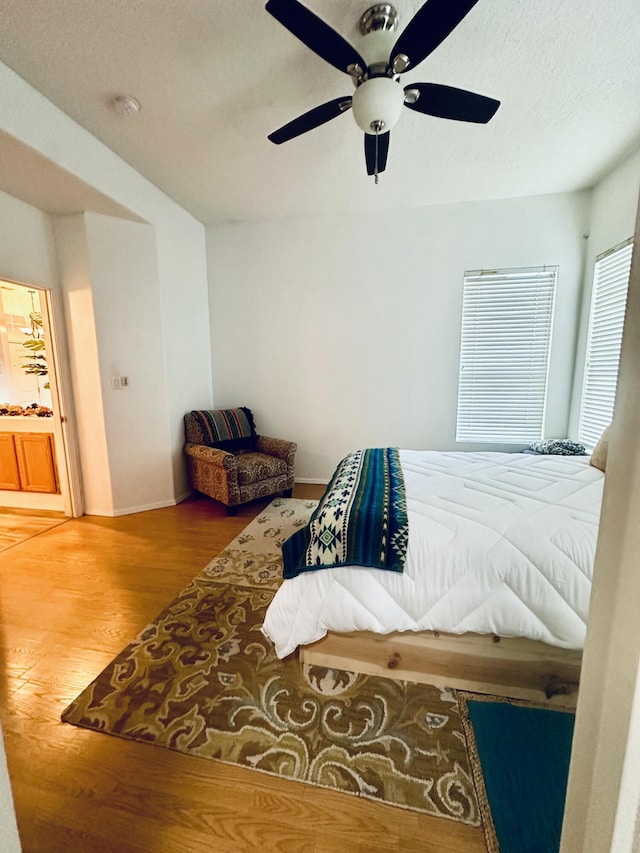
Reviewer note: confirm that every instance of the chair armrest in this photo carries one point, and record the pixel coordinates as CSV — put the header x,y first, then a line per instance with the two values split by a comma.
x,y
277,447
219,458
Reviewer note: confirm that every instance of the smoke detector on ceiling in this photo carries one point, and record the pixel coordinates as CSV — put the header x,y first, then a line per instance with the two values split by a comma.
x,y
125,105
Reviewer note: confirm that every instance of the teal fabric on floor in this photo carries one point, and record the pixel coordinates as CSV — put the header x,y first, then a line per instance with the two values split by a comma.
x,y
524,755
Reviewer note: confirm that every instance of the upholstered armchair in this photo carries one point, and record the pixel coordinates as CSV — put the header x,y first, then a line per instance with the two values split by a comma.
x,y
230,462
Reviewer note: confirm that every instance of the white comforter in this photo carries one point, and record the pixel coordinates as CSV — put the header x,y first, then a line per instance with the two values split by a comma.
x,y
499,543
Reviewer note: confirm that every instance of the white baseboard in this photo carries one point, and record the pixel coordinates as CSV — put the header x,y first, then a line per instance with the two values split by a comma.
x,y
130,510
312,481
31,500
161,504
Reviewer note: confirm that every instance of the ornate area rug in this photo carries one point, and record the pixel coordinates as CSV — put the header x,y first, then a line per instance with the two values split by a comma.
x,y
203,680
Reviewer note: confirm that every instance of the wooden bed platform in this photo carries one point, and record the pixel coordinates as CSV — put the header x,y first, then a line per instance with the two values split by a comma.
x,y
481,663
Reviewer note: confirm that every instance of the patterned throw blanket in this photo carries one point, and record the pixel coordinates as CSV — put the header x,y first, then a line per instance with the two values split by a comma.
x,y
360,521
222,425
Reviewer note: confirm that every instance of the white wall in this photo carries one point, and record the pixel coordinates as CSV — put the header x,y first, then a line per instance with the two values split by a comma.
x,y
80,325
27,247
185,332
126,302
345,332
180,303
613,213
109,276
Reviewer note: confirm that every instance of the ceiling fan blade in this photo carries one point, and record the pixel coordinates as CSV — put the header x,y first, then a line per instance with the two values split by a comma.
x,y
382,142
429,27
314,118
435,99
317,35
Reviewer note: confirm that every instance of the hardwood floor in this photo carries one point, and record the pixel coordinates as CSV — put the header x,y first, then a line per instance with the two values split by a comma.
x,y
70,599
16,525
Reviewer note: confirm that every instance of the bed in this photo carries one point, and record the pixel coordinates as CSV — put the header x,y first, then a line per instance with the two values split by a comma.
x,y
495,588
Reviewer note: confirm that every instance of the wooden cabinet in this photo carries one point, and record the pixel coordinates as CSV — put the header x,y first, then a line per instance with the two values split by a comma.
x,y
27,462
9,473
36,462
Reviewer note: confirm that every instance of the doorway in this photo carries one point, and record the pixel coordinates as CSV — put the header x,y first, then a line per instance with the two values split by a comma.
x,y
38,467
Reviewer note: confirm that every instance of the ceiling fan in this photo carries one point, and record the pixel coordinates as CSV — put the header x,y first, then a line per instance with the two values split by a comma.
x,y
379,97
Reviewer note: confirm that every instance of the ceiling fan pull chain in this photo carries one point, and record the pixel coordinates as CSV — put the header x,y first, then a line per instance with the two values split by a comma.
x,y
376,127
376,169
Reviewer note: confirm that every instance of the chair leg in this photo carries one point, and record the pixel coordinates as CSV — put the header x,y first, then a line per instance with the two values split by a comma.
x,y
287,493
232,510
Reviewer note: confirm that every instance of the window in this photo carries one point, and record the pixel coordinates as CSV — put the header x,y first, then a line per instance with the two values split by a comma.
x,y
507,316
608,302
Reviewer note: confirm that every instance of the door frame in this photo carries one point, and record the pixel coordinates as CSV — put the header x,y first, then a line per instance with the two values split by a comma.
x,y
65,432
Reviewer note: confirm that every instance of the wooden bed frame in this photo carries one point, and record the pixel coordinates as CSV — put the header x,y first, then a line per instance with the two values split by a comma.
x,y
481,663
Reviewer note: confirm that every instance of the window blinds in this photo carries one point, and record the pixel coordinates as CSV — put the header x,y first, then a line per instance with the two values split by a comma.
x,y
608,302
507,316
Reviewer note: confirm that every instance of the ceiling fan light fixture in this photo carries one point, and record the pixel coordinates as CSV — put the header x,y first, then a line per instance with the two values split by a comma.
x,y
376,48
377,104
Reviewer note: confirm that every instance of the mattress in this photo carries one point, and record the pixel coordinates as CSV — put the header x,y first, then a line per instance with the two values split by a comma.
x,y
499,543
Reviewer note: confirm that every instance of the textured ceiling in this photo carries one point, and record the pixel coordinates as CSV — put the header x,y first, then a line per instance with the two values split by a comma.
x,y
214,77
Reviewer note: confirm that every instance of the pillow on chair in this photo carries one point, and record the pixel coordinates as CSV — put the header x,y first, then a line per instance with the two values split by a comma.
x,y
226,429
600,451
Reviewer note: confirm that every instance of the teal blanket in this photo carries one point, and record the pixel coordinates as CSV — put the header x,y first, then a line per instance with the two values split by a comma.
x,y
360,521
